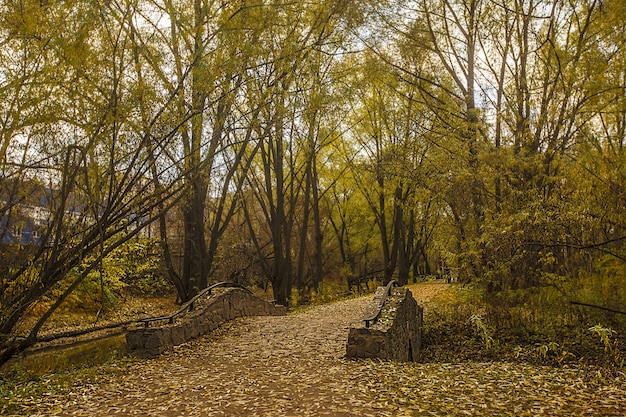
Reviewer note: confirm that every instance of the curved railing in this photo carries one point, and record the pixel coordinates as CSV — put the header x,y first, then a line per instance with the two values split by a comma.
x,y
190,305
375,313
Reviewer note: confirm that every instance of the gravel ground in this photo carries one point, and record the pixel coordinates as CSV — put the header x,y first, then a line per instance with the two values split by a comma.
x,y
294,366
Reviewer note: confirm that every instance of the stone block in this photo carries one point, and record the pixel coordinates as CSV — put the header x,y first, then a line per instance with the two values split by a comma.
x,y
395,335
177,334
204,325
191,329
135,340
373,348
157,337
147,343
239,304
352,351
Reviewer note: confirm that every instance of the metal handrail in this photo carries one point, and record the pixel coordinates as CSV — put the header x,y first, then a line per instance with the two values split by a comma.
x,y
189,305
374,315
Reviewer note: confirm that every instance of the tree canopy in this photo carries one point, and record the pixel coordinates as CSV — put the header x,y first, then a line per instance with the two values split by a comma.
x,y
293,144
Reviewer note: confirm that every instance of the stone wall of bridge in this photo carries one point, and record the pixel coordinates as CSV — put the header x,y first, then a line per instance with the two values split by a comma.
x,y
397,332
225,305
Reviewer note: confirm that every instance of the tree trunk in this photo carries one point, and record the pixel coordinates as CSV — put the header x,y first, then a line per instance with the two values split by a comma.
x,y
318,268
195,250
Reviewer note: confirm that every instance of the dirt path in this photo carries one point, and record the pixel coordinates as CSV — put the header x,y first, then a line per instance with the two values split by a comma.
x,y
294,366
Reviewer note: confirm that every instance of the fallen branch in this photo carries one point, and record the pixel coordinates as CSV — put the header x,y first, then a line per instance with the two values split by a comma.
x,y
612,310
82,332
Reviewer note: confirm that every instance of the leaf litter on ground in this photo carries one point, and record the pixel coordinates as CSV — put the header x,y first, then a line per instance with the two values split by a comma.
x,y
294,366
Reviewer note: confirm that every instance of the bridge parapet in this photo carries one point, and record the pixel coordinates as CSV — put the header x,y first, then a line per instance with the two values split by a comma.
x,y
207,315
394,333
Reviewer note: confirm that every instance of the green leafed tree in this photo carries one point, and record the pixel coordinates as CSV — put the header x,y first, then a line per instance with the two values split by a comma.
x,y
88,163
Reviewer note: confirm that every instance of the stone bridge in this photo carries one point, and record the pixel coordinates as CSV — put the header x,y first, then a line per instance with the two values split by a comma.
x,y
392,327
203,314
392,323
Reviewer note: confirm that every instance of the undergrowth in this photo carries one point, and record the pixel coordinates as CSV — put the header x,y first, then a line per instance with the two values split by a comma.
x,y
326,293
459,325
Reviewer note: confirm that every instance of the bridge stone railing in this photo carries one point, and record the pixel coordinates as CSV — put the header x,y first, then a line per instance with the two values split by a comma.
x,y
394,333
208,315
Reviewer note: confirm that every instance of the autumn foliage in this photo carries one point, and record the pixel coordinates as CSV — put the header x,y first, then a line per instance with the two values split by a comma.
x,y
302,146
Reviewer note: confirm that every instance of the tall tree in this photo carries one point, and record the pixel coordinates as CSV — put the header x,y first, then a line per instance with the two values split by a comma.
x,y
99,196
392,129
284,180
201,57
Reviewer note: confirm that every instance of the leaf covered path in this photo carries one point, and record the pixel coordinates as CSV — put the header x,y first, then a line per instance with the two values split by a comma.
x,y
294,366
